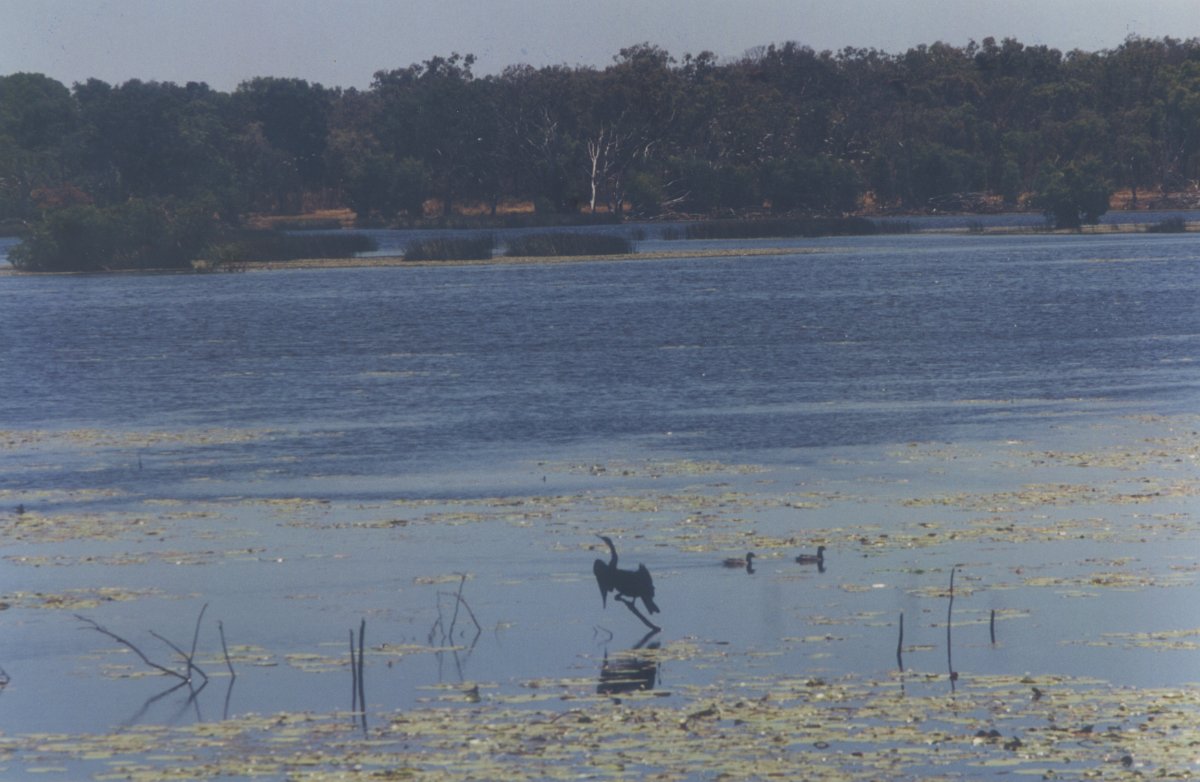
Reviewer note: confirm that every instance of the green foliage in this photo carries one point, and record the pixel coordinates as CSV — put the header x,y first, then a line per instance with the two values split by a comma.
x,y
757,229
281,246
645,194
565,244
466,248
135,234
1073,195
818,184
1171,225
804,131
705,186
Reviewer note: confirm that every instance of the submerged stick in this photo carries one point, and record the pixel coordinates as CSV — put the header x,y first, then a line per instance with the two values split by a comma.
x,y
949,619
992,626
900,644
105,631
457,603
225,649
191,664
196,631
353,674
362,690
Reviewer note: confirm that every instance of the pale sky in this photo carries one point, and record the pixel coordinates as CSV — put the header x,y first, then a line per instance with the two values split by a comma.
x,y
342,44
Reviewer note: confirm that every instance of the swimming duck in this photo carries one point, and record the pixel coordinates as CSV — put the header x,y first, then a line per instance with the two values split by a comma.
x,y
813,559
745,561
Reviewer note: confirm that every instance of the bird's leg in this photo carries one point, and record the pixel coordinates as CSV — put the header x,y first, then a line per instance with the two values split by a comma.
x,y
629,604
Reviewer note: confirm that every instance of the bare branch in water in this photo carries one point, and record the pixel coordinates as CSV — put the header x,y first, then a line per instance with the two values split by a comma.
x,y
629,604
225,649
132,647
191,664
196,632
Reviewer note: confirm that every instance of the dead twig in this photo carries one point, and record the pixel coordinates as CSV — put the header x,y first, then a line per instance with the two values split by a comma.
x,y
191,664
132,647
225,649
629,604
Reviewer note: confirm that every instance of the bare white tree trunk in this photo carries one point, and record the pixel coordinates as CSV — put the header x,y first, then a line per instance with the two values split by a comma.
x,y
595,151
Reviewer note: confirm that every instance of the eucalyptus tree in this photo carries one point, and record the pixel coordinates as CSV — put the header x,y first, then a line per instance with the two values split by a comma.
x,y
292,117
153,140
632,115
39,135
433,112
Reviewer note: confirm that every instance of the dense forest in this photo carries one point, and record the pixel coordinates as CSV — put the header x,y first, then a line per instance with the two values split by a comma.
x,y
783,129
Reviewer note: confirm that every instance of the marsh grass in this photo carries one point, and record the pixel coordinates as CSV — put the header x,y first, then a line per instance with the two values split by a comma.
x,y
789,227
556,244
467,248
282,246
1171,225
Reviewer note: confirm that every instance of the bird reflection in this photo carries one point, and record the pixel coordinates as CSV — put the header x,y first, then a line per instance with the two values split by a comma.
x,y
629,585
746,562
629,671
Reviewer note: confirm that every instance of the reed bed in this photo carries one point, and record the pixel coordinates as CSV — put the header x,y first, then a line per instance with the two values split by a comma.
x,y
465,248
789,227
567,244
280,246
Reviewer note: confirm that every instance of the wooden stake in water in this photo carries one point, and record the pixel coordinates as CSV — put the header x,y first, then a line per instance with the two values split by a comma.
x,y
949,645
900,645
992,626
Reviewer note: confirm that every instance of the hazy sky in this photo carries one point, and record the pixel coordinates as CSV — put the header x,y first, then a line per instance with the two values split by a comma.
x,y
224,42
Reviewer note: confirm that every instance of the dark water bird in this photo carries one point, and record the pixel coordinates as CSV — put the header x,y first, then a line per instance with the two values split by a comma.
x,y
746,562
813,559
628,584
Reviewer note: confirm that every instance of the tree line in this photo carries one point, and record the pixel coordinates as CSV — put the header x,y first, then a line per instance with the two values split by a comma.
x,y
781,129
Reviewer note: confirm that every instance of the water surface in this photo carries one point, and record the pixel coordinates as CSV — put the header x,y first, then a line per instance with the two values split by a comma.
x,y
303,450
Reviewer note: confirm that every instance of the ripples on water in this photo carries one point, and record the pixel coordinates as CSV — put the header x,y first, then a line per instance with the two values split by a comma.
x,y
380,371
371,385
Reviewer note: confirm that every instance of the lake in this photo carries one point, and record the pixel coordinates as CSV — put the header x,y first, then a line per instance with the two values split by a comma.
x,y
432,451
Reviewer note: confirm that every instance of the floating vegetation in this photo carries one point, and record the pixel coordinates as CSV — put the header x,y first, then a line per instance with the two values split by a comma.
x,y
31,527
75,599
703,704
806,727
656,469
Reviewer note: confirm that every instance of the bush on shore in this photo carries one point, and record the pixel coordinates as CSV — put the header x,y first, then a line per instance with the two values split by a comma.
x,y
789,227
135,234
1172,225
473,248
553,244
274,245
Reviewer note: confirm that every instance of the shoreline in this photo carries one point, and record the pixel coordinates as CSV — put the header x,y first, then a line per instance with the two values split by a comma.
x,y
203,266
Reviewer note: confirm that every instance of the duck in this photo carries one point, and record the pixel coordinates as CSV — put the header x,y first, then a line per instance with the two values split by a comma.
x,y
746,562
813,559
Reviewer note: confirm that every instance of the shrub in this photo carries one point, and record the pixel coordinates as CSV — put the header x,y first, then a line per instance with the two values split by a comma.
x,y
552,244
1172,225
1073,195
275,245
473,248
135,234
778,228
